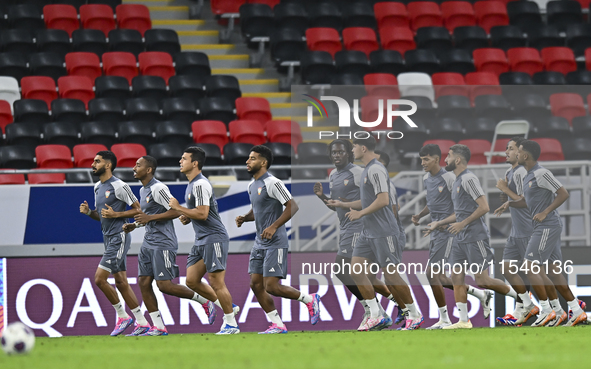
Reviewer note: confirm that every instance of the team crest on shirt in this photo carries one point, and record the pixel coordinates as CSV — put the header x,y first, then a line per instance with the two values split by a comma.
x,y
147,198
365,180
530,183
346,182
259,190
107,193
440,188
458,189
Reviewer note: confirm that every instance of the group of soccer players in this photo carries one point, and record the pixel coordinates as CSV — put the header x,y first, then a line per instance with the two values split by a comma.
x,y
371,233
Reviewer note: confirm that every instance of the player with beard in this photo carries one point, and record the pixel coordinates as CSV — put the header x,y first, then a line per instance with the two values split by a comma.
x,y
111,197
467,223
268,258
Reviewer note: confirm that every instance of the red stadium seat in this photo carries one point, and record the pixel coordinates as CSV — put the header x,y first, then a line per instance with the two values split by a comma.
x,y
128,153
226,6
97,16
210,131
40,88
76,87
8,179
588,58
490,60
53,156
253,108
156,63
361,39
46,178
271,3
323,39
247,131
286,131
483,83
381,84
5,115
84,154
83,64
424,14
567,105
60,16
551,149
133,16
370,110
490,14
559,59
397,38
121,64
478,148
449,84
457,14
525,59
444,146
500,146
390,14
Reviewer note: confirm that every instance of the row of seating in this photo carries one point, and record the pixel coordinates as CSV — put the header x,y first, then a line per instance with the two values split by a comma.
x,y
65,17
41,3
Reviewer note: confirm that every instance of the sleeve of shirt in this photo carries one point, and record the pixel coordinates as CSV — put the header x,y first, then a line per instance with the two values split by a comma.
x,y
332,173
450,179
123,192
546,180
357,172
95,192
378,178
202,192
518,177
472,186
161,195
393,195
277,190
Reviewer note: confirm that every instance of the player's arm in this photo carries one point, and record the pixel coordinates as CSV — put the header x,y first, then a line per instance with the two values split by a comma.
x,y
382,199
417,217
248,217
345,204
561,196
439,224
108,211
503,185
319,192
85,209
290,209
482,209
199,213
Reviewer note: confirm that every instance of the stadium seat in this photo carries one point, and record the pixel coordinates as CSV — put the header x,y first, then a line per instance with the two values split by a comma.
x,y
53,40
127,154
31,110
106,109
359,14
164,40
424,14
83,64
149,86
181,109
582,126
578,149
313,153
457,14
559,59
549,78
98,133
400,39
352,62
416,84
156,63
456,61
555,127
449,84
455,107
8,179
284,131
142,108
478,148
567,105
127,40
223,86
421,61
53,156
578,38
563,13
255,20
317,67
283,153
47,64
387,61
507,37
287,44
5,115
84,154
493,106
544,36
391,14
370,112
113,87
211,132
17,157
136,132
530,106
61,133
490,60
525,59
61,16
323,39
444,146
483,83
192,63
216,108
436,39
97,16
482,128
413,137
470,38
90,41
76,87
40,88
168,155
75,3
187,86
247,131
447,129
212,152
490,14
524,14
174,132
25,134
121,64
46,178
381,84
79,177
68,110
551,149
17,41
224,6
26,16
253,108
291,16
325,14
515,78
133,16
125,175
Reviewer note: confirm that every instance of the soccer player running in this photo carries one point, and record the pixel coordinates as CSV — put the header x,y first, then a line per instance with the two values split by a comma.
x,y
467,223
344,185
111,197
438,184
378,242
543,194
268,258
210,252
157,257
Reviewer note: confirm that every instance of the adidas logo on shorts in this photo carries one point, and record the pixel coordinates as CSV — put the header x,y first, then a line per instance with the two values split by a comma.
x,y
213,265
530,254
272,270
161,274
108,261
344,251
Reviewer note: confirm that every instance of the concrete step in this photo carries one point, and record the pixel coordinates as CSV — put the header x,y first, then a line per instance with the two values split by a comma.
x,y
169,12
216,49
228,61
185,24
258,85
199,37
244,73
272,97
284,109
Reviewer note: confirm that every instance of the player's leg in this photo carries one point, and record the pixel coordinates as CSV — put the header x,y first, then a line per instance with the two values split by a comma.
x,y
195,271
438,249
158,328
345,277
458,257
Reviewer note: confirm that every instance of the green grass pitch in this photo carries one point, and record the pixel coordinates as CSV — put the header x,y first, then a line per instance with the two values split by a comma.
x,y
499,348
